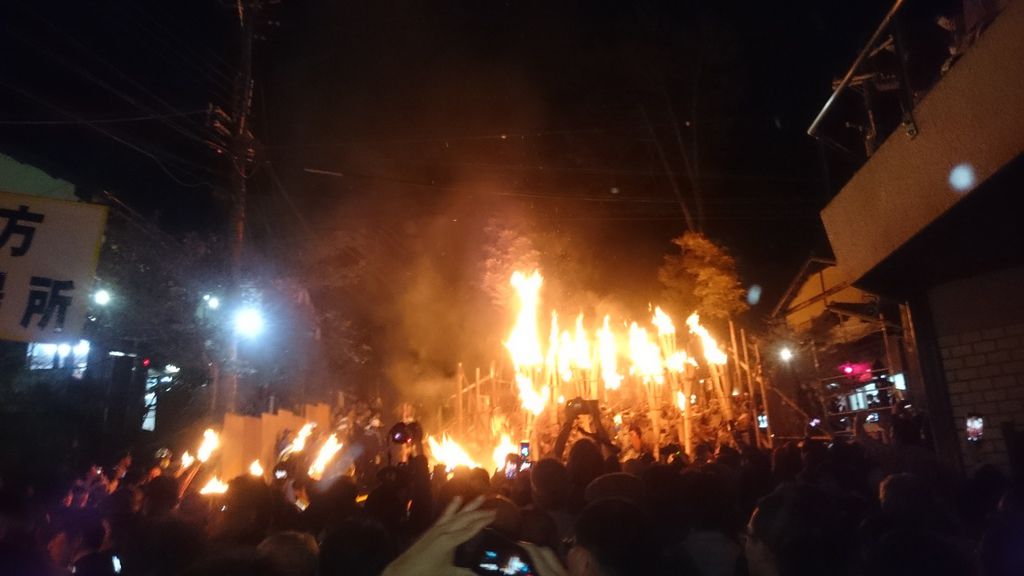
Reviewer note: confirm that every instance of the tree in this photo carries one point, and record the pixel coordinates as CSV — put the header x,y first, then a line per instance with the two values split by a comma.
x,y
702,277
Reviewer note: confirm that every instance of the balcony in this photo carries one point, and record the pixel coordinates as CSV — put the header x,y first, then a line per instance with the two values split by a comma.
x,y
927,146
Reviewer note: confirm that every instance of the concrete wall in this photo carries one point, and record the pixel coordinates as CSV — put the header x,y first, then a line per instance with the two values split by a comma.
x,y
979,323
974,116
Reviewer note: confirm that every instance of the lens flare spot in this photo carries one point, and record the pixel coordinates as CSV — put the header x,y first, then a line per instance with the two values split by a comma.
x,y
961,177
754,294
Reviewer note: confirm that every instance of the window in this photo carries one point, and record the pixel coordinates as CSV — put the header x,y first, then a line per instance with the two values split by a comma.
x,y
50,356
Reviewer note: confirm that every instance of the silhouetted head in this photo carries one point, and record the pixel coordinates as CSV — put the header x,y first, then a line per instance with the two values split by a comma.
x,y
794,532
549,483
290,553
612,539
357,547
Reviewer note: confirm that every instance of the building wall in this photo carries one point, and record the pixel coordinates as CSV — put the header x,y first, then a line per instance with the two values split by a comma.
x,y
979,323
24,179
815,284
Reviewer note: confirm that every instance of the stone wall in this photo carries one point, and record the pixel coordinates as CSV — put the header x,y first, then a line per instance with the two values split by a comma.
x,y
979,323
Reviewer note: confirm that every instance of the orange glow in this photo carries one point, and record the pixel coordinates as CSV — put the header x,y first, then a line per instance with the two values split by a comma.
x,y
327,452
211,441
187,459
712,353
214,486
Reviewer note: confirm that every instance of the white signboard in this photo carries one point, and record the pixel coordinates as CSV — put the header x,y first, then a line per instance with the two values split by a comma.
x,y
48,254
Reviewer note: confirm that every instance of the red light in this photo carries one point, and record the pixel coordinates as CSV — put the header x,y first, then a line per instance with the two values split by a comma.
x,y
145,362
846,369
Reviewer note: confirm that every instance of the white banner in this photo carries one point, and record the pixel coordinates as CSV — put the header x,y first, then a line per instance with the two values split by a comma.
x,y
48,254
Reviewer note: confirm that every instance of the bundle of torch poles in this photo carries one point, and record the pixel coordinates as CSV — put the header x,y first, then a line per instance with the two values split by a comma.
x,y
577,365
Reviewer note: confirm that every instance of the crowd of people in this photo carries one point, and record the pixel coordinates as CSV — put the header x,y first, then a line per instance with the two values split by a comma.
x,y
806,508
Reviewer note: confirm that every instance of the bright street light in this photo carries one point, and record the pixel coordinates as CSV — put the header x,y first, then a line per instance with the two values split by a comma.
x,y
101,297
786,354
213,302
248,322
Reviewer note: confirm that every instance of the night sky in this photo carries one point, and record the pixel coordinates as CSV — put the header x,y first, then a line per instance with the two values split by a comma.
x,y
451,112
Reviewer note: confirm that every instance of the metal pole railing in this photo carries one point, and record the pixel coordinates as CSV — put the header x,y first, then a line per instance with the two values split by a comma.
x,y
813,130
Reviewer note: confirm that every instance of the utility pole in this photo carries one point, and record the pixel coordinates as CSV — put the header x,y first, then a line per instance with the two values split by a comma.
x,y
239,156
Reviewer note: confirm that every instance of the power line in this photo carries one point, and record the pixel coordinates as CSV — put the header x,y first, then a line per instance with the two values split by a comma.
x,y
108,87
540,196
109,134
180,48
123,119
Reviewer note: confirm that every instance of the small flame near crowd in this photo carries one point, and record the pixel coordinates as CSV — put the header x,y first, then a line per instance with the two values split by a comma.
x,y
327,452
450,453
256,469
214,486
299,442
187,460
502,450
211,441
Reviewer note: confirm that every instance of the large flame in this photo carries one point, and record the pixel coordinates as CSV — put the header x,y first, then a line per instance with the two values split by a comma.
x,y
681,401
663,323
646,355
450,453
523,343
502,450
581,347
676,363
323,458
608,356
531,399
256,469
211,441
712,353
214,486
299,442
187,459
565,356
551,362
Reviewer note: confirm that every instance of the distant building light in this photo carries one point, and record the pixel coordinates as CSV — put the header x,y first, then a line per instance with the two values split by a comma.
x,y
171,369
101,297
63,350
249,322
116,353
81,349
